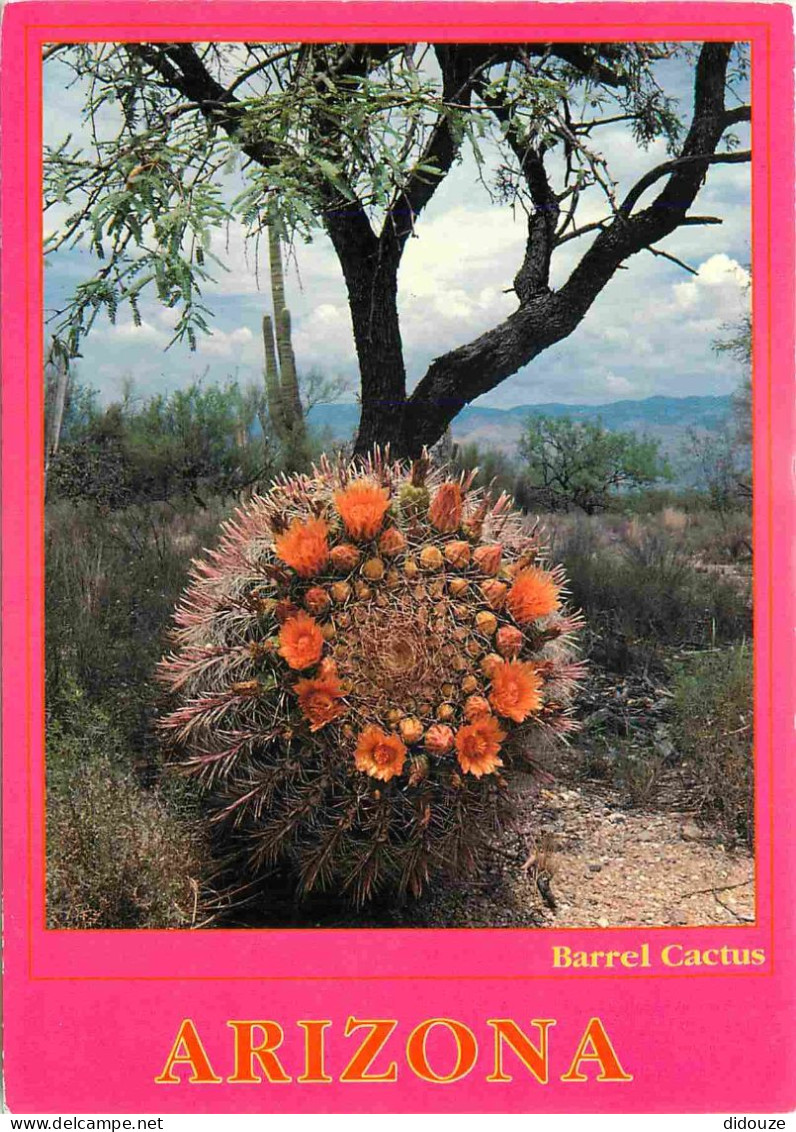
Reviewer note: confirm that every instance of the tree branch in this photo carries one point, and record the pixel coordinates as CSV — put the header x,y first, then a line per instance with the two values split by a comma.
x,y
459,73
544,319
641,186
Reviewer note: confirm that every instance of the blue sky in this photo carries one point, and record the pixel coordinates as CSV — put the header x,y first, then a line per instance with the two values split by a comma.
x,y
650,332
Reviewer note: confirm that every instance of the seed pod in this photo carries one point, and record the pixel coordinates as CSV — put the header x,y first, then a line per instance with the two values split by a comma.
x,y
485,622
425,708
341,591
394,715
487,558
343,620
439,739
448,691
459,663
411,568
317,600
509,641
461,611
475,706
431,558
362,591
457,554
328,631
373,570
474,648
411,729
392,579
392,542
247,688
469,684
495,593
458,586
489,663
344,558
436,588
445,712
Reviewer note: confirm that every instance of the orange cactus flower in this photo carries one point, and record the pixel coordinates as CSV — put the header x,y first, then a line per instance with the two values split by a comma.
x,y
478,746
301,641
516,690
509,641
534,594
445,512
378,754
439,738
304,546
362,506
319,699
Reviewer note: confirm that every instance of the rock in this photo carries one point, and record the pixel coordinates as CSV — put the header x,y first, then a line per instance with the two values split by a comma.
x,y
595,868
691,832
602,922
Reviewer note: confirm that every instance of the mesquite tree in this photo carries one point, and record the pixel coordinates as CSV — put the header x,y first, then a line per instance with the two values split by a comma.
x,y
357,138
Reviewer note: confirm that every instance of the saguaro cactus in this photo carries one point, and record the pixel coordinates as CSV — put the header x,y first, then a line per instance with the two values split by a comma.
x,y
281,381
360,667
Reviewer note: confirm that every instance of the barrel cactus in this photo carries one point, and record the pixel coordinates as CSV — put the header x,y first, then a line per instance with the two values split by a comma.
x,y
359,666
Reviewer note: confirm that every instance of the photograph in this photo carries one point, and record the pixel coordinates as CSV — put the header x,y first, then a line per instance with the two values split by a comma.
x,y
398,484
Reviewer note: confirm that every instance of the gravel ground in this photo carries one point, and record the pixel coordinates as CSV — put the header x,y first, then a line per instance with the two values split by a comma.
x,y
573,856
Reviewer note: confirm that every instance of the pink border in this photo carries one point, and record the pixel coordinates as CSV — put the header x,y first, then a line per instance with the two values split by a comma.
x,y
96,984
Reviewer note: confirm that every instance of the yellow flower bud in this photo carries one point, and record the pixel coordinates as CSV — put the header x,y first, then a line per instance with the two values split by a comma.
x,y
431,558
485,623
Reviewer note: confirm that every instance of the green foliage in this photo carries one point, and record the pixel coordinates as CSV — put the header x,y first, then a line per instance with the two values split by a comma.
x,y
293,127
495,468
191,442
583,464
712,727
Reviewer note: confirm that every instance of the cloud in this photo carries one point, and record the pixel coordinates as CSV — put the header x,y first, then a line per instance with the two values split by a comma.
x,y
720,281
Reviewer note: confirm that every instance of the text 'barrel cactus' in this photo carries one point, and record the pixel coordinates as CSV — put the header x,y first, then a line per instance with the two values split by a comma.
x,y
354,666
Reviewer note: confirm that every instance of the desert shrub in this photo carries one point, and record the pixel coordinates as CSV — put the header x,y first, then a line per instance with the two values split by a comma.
x,y
367,654
119,855
111,583
645,593
712,727
119,851
190,443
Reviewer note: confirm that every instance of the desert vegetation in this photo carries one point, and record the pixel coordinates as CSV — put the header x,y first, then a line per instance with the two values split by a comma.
x,y
663,580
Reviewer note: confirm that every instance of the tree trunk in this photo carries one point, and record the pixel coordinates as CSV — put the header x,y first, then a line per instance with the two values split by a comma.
x,y
372,283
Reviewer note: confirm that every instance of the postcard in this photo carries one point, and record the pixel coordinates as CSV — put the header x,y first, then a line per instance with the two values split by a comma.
x,y
397,424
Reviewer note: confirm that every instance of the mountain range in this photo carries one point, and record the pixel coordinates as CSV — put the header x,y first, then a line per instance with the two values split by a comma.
x,y
666,419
